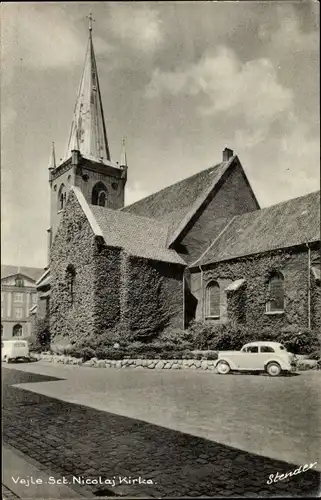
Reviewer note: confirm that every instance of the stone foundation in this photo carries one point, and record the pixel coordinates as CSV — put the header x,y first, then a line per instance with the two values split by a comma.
x,y
160,364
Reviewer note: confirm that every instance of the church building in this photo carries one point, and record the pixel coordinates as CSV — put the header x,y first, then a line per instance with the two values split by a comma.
x,y
199,249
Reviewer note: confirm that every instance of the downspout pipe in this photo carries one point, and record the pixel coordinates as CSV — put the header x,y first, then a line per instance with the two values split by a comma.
x,y
184,325
202,292
309,286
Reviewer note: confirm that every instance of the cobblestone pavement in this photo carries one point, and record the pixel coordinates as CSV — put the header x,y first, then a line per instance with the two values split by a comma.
x,y
73,440
8,494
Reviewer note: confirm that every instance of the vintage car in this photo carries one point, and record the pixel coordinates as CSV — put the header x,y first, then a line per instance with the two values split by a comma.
x,y
271,357
14,349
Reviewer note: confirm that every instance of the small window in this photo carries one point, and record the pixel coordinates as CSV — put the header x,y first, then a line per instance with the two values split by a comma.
x,y
266,348
212,300
18,297
2,296
34,298
252,348
19,282
276,293
19,312
17,331
282,347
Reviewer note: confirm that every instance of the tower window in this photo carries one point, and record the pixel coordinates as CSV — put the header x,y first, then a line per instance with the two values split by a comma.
x,y
102,199
61,198
99,194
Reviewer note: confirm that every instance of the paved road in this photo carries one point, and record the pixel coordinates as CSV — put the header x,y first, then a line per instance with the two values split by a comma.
x,y
77,440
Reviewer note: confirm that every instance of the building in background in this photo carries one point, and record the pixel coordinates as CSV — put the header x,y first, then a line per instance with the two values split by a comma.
x,y
18,296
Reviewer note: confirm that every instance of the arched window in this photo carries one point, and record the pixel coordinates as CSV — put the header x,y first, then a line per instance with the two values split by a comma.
x,y
99,194
212,300
102,199
276,293
70,278
61,198
19,282
17,331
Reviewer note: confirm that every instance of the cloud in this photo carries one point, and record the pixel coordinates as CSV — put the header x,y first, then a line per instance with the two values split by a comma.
x,y
42,39
221,84
134,193
138,27
288,37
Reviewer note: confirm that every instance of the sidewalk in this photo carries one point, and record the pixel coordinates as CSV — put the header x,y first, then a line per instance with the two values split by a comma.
x,y
18,468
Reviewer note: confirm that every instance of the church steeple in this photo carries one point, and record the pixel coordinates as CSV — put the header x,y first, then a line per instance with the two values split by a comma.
x,y
88,128
87,163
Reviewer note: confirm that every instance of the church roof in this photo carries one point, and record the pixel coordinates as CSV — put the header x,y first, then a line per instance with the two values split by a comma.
x,y
139,236
88,130
287,224
178,203
30,272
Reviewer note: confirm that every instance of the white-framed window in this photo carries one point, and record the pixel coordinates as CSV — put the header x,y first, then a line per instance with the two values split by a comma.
x,y
18,312
212,300
34,298
18,297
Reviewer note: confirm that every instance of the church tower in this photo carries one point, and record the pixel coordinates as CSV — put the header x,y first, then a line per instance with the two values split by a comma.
x,y
87,163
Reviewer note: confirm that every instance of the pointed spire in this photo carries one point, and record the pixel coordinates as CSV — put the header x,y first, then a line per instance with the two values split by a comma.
x,y
123,155
88,128
52,161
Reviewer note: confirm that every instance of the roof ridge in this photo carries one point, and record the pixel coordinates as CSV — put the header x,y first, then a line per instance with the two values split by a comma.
x,y
202,197
171,185
290,200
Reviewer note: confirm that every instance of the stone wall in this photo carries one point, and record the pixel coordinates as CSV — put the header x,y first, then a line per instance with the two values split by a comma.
x,y
253,296
158,364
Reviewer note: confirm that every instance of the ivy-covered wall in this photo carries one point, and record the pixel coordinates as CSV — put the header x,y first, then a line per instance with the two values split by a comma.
x,y
72,312
248,304
154,296
110,288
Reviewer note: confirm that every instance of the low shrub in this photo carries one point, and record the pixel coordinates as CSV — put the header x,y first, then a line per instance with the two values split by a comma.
x,y
301,342
40,339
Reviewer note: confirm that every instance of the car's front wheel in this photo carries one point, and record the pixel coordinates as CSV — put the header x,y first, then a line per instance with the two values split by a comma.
x,y
223,367
273,369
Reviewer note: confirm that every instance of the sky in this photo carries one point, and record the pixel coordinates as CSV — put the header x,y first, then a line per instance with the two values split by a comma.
x,y
180,80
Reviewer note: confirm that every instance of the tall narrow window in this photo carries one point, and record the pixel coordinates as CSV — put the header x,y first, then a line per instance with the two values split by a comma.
x,y
276,293
70,277
61,198
212,300
99,194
